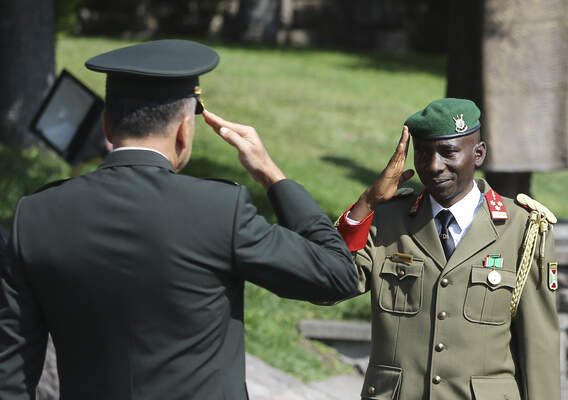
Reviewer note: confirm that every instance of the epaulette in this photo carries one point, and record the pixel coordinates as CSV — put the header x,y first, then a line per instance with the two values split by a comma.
x,y
532,205
223,181
51,184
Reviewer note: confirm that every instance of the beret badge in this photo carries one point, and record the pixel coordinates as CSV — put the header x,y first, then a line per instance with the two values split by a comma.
x,y
460,123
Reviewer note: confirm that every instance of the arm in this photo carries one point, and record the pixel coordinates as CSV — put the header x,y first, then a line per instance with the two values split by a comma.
x,y
304,258
536,333
23,335
382,190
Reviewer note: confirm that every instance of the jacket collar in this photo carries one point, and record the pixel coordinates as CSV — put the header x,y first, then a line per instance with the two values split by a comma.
x,y
125,158
481,233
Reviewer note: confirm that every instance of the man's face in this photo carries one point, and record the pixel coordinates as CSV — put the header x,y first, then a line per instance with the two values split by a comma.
x,y
446,167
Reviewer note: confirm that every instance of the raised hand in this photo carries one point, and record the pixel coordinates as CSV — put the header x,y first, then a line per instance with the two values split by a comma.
x,y
386,185
252,153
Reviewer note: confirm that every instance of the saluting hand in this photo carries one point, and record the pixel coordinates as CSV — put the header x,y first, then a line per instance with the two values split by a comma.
x,y
386,185
252,153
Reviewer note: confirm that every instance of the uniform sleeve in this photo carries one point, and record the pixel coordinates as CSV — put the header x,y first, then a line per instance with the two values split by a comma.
x,y
23,334
536,333
301,258
355,236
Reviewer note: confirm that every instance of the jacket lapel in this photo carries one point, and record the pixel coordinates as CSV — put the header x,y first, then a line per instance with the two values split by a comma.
x,y
423,231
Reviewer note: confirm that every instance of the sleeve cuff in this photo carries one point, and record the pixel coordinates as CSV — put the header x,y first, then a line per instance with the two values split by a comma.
x,y
355,236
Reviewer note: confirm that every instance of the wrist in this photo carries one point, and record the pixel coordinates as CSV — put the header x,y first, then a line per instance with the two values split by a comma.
x,y
270,176
362,209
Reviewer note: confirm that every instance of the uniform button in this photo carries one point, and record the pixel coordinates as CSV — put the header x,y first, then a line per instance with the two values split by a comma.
x,y
401,272
439,347
442,315
371,390
436,380
445,282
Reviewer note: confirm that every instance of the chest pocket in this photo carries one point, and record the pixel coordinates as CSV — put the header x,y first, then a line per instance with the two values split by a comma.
x,y
489,295
401,287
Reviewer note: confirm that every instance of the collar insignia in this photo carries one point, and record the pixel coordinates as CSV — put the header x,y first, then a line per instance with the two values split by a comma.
x,y
496,206
414,209
460,123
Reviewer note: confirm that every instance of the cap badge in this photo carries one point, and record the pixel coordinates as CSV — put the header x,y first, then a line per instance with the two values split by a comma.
x,y
460,123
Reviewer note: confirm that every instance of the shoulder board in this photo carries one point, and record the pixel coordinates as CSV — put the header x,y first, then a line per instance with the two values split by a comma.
x,y
496,205
51,184
222,181
531,204
403,192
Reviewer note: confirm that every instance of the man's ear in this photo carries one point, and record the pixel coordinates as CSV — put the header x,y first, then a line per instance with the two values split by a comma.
x,y
479,152
183,139
106,129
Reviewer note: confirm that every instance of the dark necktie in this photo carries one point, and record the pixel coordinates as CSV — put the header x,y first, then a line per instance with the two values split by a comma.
x,y
445,217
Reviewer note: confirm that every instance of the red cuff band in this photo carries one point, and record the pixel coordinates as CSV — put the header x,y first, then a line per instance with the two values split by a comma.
x,y
355,236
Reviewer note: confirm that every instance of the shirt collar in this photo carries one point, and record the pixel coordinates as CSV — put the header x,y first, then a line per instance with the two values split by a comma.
x,y
464,210
139,148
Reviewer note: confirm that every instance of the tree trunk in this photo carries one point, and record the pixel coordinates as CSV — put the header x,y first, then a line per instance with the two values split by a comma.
x,y
27,51
258,20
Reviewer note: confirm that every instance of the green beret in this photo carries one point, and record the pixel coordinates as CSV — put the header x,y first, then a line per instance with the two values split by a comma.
x,y
157,70
445,119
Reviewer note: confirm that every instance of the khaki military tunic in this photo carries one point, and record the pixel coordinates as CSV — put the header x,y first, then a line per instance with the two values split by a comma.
x,y
442,330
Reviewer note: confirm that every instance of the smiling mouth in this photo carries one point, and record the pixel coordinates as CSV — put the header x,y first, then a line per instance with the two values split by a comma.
x,y
440,181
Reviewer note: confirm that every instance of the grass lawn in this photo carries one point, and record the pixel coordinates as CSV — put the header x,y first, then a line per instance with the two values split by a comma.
x,y
330,119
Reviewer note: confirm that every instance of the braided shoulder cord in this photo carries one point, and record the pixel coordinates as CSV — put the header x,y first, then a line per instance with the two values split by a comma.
x,y
529,246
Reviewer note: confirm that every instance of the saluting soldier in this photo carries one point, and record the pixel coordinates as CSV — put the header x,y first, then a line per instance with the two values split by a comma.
x,y
138,272
462,280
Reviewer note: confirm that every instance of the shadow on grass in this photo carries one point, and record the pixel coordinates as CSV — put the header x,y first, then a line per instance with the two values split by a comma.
x,y
363,174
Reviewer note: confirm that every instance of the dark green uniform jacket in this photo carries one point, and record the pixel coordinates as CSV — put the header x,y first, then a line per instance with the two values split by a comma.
x,y
138,274
441,330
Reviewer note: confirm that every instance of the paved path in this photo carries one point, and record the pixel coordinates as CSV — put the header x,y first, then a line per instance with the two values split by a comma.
x,y
268,383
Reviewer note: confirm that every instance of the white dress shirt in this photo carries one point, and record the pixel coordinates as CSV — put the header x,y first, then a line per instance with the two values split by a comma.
x,y
464,212
139,148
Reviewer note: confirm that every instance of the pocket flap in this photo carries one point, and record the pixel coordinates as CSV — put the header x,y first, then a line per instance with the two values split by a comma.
x,y
382,382
402,270
481,275
495,388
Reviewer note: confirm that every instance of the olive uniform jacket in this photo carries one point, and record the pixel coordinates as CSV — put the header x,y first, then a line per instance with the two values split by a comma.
x,y
440,330
138,274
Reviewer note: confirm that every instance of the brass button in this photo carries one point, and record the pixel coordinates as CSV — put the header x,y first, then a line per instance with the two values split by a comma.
x,y
401,272
442,315
436,380
371,390
445,282
439,347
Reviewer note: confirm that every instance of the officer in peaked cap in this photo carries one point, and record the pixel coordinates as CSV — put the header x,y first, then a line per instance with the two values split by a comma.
x,y
462,280
138,272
